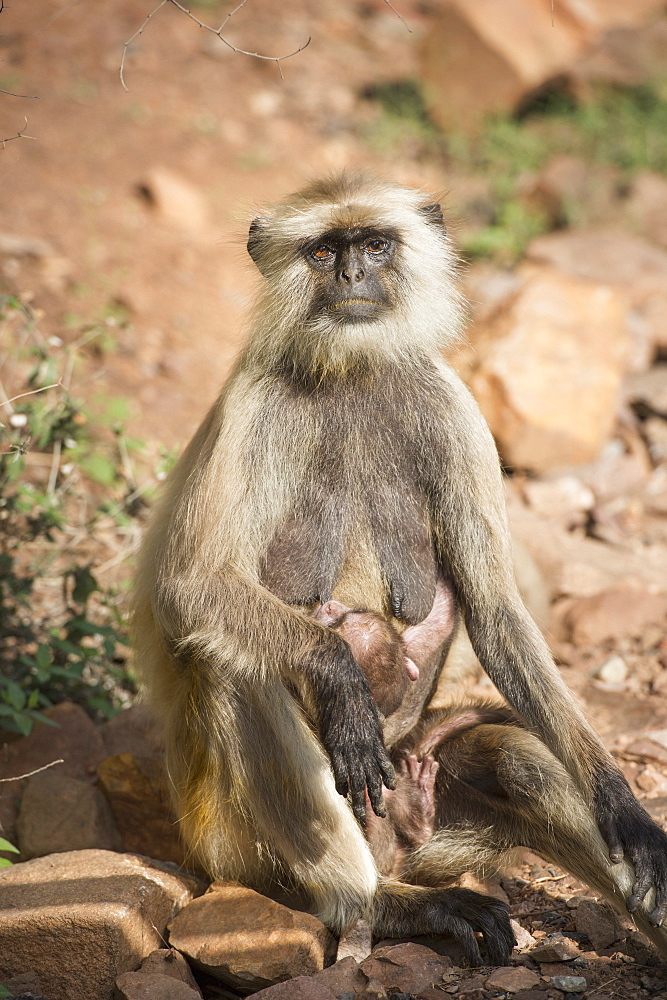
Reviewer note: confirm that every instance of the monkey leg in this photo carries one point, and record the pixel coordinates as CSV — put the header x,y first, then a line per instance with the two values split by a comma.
x,y
257,798
400,909
266,813
498,788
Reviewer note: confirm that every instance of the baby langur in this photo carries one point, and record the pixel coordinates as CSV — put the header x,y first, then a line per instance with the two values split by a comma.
x,y
390,662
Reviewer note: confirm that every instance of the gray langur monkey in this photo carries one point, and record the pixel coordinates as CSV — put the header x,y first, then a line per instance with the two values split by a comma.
x,y
344,460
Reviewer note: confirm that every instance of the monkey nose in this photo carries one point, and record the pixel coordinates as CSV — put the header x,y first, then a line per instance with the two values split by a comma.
x,y
353,274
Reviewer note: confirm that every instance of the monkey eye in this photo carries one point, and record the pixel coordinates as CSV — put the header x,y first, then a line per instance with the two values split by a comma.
x,y
321,253
376,246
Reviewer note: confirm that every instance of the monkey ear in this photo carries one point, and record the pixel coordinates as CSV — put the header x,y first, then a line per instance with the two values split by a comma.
x,y
257,238
433,213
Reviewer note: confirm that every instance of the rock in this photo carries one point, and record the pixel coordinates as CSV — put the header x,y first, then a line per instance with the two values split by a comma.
x,y
406,968
577,566
136,789
512,979
27,982
655,432
64,814
649,390
357,942
74,738
647,748
300,988
569,984
80,919
628,57
139,986
613,257
565,499
169,962
549,367
597,922
566,182
175,200
614,614
613,671
621,468
248,941
524,939
24,246
483,57
343,977
646,206
132,731
555,948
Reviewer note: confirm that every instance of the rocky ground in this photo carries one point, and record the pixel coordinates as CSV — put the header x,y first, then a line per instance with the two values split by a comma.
x,y
128,215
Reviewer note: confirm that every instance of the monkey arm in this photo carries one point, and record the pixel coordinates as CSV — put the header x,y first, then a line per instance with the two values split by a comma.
x,y
473,544
237,626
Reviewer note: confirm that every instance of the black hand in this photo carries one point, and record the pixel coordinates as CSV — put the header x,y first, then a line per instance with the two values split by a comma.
x,y
631,833
351,734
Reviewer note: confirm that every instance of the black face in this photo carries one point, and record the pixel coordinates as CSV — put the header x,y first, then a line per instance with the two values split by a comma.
x,y
354,270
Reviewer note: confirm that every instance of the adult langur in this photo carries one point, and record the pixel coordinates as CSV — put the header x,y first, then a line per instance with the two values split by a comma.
x,y
344,460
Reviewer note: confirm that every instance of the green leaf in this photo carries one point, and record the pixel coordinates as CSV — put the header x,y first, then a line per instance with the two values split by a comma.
x,y
99,468
23,723
17,696
85,584
43,657
6,846
5,863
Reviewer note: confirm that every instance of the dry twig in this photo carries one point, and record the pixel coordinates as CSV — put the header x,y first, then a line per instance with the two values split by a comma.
x,y
21,134
214,31
29,774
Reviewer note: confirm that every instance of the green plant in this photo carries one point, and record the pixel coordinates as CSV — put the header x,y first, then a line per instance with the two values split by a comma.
x,y
506,238
402,123
5,863
61,632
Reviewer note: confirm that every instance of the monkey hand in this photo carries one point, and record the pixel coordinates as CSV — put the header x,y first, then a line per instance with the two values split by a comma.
x,y
630,833
351,734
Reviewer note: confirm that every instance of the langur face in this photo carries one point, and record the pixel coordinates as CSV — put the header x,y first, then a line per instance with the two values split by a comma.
x,y
352,271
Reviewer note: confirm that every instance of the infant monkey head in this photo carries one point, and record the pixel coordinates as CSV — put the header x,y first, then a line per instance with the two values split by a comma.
x,y
377,648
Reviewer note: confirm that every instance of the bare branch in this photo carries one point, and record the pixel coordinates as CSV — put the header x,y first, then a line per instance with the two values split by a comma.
x,y
136,35
30,97
33,392
29,774
21,134
399,16
214,31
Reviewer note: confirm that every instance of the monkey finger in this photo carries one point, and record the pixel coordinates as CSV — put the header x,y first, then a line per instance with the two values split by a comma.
x,y
659,912
374,786
642,884
339,769
386,770
412,767
358,796
611,835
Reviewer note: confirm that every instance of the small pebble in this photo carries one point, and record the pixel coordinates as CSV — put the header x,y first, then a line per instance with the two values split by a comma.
x,y
569,984
613,671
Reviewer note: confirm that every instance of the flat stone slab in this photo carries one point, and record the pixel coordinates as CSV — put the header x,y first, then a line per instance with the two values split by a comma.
x,y
81,918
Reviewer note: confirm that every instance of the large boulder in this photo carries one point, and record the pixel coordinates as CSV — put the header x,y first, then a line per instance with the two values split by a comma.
x,y
548,370
487,56
59,813
78,920
248,941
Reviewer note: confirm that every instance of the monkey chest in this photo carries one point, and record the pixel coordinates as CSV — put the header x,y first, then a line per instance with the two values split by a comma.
x,y
357,529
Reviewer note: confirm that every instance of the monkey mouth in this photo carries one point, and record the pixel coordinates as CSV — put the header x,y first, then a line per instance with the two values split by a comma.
x,y
344,303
